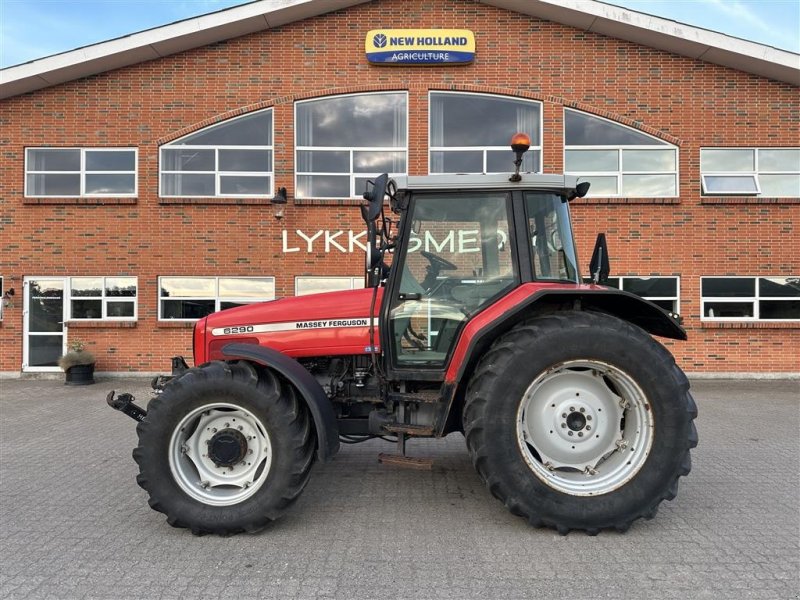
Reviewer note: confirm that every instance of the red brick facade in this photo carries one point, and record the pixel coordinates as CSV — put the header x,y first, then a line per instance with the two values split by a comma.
x,y
687,102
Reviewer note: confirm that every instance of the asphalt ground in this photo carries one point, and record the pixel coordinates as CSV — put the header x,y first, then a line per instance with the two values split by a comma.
x,y
74,524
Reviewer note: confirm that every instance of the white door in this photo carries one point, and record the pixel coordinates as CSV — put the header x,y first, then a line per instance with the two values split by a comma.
x,y
44,313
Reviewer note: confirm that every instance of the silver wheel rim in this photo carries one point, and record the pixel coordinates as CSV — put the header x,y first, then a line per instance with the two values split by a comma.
x,y
585,427
197,473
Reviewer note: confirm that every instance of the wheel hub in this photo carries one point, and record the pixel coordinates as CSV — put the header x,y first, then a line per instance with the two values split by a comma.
x,y
576,421
227,447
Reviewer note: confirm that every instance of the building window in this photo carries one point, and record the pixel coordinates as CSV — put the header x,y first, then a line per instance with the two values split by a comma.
x,y
190,298
770,172
109,298
663,291
2,300
471,133
618,161
342,141
750,298
80,172
303,286
230,159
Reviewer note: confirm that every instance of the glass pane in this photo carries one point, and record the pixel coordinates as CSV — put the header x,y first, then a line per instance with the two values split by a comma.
x,y
110,160
54,160
110,184
668,305
186,309
245,160
231,304
457,161
728,287
779,309
779,160
651,286
44,350
323,186
119,309
601,185
379,162
648,160
121,286
188,287
581,129
480,120
174,184
235,287
251,130
242,184
550,237
319,285
729,160
178,159
780,186
46,301
502,161
730,184
87,309
86,286
583,161
323,161
779,287
649,185
54,185
728,310
364,121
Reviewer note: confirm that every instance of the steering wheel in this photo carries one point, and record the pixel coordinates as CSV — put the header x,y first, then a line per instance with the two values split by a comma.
x,y
438,263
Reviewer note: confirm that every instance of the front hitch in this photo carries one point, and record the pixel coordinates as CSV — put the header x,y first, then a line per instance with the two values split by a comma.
x,y
124,403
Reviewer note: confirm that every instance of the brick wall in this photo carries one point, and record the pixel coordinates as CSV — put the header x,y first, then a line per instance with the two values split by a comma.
x,y
686,102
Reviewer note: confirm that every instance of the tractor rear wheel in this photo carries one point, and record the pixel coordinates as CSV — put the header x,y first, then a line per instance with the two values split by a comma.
x,y
225,448
579,420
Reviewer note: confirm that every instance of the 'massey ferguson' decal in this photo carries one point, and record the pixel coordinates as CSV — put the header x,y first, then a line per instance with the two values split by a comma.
x,y
293,325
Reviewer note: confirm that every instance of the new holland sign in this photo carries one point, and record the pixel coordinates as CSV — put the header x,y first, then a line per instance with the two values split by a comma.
x,y
420,46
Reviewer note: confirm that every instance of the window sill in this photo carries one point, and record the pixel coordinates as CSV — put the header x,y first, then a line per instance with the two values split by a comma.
x,y
176,324
100,324
626,201
746,200
327,201
80,201
749,325
225,201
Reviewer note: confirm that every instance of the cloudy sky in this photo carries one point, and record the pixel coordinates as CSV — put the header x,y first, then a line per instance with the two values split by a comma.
x,y
31,29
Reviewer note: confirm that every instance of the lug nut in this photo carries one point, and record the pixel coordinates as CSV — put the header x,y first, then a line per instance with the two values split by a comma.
x,y
569,433
583,409
588,428
571,409
563,426
580,434
564,415
588,417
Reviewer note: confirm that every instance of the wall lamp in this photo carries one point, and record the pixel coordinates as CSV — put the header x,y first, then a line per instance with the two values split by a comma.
x,y
7,297
279,200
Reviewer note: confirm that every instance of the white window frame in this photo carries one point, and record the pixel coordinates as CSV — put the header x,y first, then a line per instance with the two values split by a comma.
x,y
1,297
103,298
753,175
486,149
83,172
663,145
354,193
355,283
756,300
218,300
218,174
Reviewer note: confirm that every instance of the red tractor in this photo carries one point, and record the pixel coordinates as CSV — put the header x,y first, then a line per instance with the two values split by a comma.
x,y
474,320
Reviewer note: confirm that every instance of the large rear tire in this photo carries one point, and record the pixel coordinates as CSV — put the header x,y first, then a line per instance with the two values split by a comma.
x,y
225,448
579,420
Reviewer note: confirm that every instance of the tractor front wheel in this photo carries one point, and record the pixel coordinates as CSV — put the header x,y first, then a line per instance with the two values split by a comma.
x,y
225,448
579,420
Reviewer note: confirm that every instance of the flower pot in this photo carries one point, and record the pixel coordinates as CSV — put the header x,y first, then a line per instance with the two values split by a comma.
x,y
79,375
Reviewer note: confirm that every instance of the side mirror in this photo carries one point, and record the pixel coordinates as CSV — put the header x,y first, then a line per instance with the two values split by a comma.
x,y
580,191
375,197
599,267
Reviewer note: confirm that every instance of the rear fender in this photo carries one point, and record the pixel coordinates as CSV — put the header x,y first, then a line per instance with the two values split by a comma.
x,y
312,393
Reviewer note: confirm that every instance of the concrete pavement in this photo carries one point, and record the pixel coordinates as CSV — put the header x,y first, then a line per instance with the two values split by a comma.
x,y
74,524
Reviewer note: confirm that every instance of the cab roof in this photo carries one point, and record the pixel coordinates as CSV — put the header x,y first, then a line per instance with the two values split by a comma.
x,y
493,181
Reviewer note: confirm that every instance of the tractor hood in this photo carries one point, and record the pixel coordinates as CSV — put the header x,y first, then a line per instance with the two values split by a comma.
x,y
333,323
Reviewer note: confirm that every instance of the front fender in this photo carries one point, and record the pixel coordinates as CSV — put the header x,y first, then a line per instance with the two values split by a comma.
x,y
312,393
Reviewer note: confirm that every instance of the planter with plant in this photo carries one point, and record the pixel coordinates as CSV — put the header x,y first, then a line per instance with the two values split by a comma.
x,y
77,364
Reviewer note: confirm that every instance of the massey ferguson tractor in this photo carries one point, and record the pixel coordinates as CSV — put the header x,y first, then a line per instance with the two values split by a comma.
x,y
474,320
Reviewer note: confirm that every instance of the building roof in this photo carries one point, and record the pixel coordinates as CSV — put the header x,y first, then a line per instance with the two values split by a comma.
x,y
260,15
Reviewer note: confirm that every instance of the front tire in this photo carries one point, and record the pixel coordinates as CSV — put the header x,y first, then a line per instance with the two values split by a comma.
x,y
579,420
225,448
